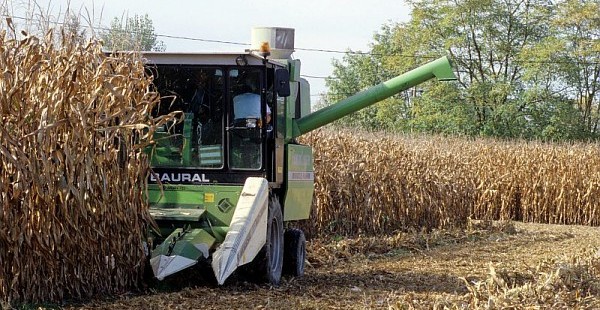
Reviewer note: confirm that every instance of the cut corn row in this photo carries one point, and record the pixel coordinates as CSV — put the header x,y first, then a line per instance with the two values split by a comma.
x,y
378,182
72,173
566,282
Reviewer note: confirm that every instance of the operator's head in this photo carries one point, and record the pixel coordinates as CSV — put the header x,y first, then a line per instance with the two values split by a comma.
x,y
250,84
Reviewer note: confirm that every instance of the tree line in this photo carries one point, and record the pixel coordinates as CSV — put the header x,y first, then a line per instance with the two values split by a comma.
x,y
526,69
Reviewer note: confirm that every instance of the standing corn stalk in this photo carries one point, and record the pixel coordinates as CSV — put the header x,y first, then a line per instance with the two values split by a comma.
x,y
72,169
380,182
375,183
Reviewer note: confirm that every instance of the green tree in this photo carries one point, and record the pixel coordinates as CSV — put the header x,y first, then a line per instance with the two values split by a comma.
x,y
563,71
526,69
132,33
359,71
485,39
578,31
441,110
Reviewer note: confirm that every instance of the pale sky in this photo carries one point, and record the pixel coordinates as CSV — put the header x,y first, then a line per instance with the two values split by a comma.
x,y
319,24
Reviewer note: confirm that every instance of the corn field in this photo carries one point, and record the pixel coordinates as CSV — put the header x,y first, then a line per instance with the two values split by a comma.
x,y
378,182
72,174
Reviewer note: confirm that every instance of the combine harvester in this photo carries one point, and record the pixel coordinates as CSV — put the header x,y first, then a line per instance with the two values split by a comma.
x,y
228,176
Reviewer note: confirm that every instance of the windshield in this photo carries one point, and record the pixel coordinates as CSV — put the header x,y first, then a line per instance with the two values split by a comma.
x,y
198,140
224,120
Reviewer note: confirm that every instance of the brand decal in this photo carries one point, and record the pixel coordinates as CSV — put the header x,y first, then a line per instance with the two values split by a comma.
x,y
301,176
179,177
225,205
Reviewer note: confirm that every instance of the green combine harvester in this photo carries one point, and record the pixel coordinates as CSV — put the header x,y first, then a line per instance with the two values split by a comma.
x,y
226,179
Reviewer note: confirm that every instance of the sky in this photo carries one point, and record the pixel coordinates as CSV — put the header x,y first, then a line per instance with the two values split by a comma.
x,y
319,24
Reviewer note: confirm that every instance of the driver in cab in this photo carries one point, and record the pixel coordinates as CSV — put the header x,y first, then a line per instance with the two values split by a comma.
x,y
247,104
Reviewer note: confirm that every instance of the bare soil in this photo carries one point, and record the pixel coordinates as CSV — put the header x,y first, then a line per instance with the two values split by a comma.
x,y
402,271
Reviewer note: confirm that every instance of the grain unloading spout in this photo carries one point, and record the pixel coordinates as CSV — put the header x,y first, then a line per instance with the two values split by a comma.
x,y
440,68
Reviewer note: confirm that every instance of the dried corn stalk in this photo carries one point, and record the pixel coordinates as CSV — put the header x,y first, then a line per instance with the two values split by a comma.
x,y
568,282
377,182
72,170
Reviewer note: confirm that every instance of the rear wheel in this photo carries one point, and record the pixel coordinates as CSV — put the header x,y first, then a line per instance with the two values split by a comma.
x,y
295,252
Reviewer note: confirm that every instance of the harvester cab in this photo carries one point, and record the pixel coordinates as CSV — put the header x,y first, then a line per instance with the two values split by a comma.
x,y
226,178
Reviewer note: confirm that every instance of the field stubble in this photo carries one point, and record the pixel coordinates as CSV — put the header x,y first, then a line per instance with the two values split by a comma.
x,y
488,265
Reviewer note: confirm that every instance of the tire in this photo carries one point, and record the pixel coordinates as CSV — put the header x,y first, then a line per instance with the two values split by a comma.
x,y
295,252
274,245
267,266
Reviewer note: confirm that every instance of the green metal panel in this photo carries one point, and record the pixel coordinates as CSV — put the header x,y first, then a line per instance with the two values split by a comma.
x,y
290,110
304,98
176,214
300,182
219,201
173,150
440,68
294,66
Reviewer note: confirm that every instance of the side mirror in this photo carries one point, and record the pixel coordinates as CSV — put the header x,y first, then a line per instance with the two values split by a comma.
x,y
282,82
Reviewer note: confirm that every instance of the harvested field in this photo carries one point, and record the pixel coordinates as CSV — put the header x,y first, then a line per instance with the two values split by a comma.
x,y
504,265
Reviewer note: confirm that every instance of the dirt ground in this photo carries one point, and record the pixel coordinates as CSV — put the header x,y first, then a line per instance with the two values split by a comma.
x,y
403,271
